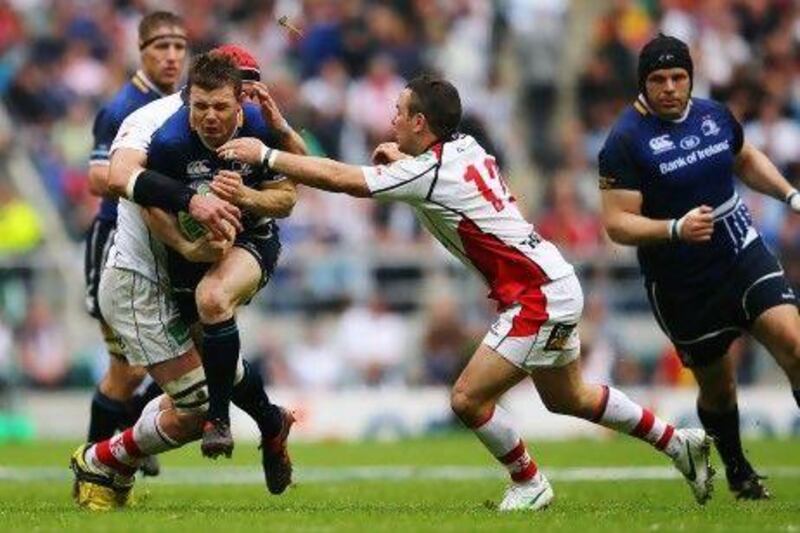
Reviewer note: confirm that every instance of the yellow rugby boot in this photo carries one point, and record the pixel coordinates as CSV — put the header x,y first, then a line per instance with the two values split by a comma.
x,y
98,492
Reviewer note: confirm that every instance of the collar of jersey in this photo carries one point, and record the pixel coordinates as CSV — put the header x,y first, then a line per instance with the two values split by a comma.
x,y
642,100
146,81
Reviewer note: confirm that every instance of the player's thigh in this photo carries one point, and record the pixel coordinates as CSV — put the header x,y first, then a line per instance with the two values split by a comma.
x,y
778,329
124,378
145,317
485,378
237,276
98,242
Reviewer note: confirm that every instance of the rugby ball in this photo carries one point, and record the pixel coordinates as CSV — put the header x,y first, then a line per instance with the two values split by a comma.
x,y
191,228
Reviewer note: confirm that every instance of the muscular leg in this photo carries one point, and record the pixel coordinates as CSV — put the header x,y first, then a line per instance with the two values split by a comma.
x,y
563,391
164,424
778,329
474,400
109,410
719,413
229,282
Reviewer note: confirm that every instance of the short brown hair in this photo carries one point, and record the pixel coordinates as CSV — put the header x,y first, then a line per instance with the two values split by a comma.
x,y
157,19
212,71
438,100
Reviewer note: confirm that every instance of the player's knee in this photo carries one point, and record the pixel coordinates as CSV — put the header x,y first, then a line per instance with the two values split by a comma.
x,y
213,302
464,405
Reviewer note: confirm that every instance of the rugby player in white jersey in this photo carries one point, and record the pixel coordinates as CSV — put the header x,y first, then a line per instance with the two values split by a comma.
x,y
459,195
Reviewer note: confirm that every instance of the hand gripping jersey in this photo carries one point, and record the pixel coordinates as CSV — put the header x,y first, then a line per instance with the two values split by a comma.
x,y
459,195
677,166
138,92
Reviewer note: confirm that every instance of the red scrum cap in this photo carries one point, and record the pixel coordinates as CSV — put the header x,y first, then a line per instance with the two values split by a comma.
x,y
246,62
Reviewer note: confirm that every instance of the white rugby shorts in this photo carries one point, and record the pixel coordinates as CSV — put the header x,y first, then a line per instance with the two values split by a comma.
x,y
144,316
541,329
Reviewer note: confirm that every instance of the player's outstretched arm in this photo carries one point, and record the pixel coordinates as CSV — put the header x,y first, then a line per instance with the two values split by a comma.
x,y
759,173
317,172
273,199
625,224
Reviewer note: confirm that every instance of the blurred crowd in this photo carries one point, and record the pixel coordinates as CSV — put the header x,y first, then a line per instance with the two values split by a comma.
x,y
348,264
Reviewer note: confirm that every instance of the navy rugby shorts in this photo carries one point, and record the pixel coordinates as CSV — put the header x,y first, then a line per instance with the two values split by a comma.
x,y
98,242
262,242
703,321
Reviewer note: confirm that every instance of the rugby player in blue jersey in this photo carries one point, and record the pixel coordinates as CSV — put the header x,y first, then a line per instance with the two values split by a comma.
x,y
162,45
667,175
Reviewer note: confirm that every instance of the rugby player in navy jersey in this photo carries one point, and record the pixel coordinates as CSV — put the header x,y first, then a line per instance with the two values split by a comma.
x,y
667,178
162,45
184,148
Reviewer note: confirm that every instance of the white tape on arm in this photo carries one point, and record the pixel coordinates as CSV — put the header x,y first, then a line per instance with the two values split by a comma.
x,y
132,183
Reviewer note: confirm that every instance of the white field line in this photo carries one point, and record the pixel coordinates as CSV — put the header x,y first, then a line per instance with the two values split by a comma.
x,y
251,475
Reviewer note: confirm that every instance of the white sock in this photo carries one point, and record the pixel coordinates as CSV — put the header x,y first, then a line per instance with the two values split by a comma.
x,y
504,443
149,436
617,411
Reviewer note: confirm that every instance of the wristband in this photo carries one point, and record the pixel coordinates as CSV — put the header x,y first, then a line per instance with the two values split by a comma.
x,y
268,156
151,189
674,235
793,199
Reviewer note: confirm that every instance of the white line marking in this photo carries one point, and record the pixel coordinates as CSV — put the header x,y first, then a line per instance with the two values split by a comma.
x,y
248,475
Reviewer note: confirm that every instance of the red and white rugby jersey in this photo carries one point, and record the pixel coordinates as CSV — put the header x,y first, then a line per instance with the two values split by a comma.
x,y
459,195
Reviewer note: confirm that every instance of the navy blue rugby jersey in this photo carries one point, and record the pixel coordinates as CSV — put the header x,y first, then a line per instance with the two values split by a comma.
x,y
677,166
137,92
176,150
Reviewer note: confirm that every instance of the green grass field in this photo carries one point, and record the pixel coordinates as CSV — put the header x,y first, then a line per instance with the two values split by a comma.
x,y
438,484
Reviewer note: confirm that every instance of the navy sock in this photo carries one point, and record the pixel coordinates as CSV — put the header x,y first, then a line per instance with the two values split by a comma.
x,y
724,428
139,401
797,396
220,354
250,397
107,416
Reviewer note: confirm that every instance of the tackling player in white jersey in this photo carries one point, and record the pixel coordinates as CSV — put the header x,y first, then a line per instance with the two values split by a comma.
x,y
459,195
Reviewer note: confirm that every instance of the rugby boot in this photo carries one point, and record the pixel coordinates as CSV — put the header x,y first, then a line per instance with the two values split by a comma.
x,y
95,491
746,484
217,439
275,456
694,462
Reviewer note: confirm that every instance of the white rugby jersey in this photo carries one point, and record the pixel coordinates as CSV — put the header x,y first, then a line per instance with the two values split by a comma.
x,y
134,247
459,195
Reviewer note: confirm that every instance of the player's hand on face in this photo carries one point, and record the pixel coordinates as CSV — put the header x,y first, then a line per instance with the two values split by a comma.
x,y
244,149
228,185
698,225
386,153
219,216
269,109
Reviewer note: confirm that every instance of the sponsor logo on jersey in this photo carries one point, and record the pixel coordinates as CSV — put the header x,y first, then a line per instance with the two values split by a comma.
x,y
197,169
693,157
242,168
709,127
559,337
661,144
690,142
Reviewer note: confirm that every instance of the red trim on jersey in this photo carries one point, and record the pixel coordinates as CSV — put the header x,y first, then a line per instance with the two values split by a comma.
x,y
130,445
665,438
512,277
645,424
106,456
